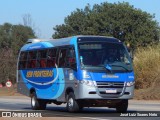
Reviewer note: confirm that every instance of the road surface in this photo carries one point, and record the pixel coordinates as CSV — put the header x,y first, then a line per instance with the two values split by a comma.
x,y
140,107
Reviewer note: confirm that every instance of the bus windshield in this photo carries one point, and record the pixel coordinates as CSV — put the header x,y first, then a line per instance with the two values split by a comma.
x,y
104,55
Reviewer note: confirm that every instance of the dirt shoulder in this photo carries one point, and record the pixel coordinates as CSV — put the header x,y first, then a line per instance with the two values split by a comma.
x,y
12,91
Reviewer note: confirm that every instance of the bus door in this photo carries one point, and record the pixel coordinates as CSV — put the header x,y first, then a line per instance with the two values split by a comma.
x,y
67,62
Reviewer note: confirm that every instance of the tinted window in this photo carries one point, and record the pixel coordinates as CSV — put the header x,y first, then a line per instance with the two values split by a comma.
x,y
41,59
102,54
32,55
71,58
23,60
51,57
62,57
67,57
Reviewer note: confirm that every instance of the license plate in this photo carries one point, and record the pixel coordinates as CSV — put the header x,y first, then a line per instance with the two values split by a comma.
x,y
111,91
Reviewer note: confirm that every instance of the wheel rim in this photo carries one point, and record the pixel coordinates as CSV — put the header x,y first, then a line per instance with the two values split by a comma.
x,y
33,101
70,102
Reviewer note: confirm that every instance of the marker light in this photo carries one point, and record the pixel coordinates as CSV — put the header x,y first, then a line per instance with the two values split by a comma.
x,y
86,75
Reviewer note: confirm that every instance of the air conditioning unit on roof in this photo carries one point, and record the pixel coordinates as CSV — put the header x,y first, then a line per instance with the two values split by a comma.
x,y
35,40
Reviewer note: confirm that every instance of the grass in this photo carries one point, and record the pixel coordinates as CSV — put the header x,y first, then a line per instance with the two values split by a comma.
x,y
147,72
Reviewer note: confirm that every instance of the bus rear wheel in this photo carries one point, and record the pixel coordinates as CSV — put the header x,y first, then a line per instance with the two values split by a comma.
x,y
72,104
122,106
37,104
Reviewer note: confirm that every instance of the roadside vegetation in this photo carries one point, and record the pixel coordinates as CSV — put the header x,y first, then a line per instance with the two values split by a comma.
x,y
12,38
147,72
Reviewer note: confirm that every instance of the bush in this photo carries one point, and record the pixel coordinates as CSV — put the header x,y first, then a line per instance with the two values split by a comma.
x,y
147,67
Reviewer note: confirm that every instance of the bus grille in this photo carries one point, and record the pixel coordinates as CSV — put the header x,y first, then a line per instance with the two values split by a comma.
x,y
110,84
103,86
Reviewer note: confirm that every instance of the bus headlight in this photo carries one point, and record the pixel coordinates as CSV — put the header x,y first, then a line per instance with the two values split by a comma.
x,y
88,82
129,84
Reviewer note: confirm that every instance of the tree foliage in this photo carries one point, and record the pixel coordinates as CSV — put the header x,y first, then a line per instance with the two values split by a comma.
x,y
120,20
12,38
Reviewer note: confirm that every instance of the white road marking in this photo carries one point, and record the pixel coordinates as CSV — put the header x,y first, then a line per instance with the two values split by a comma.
x,y
92,118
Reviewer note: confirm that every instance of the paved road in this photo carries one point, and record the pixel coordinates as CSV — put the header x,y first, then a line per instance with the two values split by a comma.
x,y
22,103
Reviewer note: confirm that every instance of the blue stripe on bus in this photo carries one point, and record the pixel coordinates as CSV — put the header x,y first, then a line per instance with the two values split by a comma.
x,y
51,91
61,83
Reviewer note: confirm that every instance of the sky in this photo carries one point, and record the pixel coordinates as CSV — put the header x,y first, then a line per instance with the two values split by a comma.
x,y
46,14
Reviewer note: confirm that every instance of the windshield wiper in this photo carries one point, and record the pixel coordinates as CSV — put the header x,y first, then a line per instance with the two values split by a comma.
x,y
120,66
107,67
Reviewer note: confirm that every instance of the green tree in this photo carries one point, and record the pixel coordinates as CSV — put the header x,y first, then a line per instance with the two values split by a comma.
x,y
12,38
20,35
120,20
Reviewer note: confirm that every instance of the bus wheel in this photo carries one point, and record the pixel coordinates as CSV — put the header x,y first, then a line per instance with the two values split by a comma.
x,y
72,104
122,106
37,104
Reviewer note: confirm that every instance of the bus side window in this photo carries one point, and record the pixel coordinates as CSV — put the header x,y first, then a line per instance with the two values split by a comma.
x,y
51,57
33,63
22,60
41,60
62,57
71,58
32,59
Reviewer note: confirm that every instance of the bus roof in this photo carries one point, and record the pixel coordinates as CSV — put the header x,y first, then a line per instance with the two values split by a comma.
x,y
46,43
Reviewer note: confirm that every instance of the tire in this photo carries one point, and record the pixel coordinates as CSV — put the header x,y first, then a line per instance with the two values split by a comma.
x,y
37,104
122,106
72,104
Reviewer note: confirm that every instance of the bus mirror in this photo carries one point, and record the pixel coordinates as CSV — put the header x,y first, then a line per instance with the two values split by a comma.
x,y
130,51
131,55
132,58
